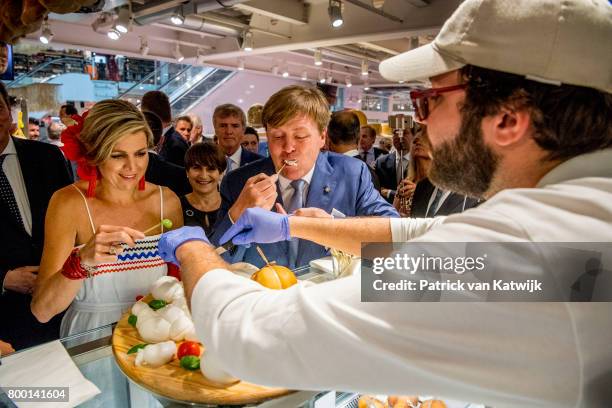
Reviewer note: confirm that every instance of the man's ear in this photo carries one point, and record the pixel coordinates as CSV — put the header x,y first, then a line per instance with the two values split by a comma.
x,y
507,127
323,137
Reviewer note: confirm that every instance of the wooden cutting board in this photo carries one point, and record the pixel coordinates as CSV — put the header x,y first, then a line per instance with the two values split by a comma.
x,y
173,381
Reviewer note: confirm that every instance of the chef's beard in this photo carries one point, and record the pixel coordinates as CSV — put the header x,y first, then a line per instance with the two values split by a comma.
x,y
465,164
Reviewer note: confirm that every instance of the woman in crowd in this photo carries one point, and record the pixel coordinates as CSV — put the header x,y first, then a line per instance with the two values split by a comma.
x,y
95,258
204,162
197,130
418,169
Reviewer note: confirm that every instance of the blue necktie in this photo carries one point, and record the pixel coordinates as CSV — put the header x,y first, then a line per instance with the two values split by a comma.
x,y
433,208
297,202
229,164
7,195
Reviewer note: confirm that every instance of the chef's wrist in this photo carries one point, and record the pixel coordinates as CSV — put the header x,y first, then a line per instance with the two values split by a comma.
x,y
188,248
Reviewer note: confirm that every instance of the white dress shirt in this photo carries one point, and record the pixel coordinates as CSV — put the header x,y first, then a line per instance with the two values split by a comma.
x,y
235,159
352,153
370,158
498,354
12,169
287,190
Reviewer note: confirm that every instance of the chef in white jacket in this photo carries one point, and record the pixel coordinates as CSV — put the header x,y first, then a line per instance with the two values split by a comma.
x,y
521,110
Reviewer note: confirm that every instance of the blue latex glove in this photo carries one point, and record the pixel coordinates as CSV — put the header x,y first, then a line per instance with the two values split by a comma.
x,y
170,241
260,226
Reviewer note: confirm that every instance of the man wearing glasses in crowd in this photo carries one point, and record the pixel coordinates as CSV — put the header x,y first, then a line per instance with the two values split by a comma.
x,y
519,113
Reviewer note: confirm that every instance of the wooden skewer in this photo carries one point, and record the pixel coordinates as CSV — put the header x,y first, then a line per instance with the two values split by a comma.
x,y
263,256
165,222
281,169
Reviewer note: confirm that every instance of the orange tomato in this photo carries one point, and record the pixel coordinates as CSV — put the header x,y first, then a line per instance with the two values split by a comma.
x,y
275,277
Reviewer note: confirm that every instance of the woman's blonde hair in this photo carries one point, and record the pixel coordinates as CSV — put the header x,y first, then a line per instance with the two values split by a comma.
x,y
107,122
294,101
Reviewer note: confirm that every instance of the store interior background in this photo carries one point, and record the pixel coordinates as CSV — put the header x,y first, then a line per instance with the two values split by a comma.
x,y
205,60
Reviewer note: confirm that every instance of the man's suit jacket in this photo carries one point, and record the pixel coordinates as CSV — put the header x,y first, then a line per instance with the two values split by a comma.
x,y
247,157
338,181
44,171
373,174
174,148
167,174
385,169
454,203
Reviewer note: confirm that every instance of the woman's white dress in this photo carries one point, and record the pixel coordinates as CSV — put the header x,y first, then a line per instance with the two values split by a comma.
x,y
113,288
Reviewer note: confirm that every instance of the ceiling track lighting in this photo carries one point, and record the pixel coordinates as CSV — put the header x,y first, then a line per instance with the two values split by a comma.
x,y
364,67
366,85
335,13
322,78
285,72
241,64
144,46
348,82
124,20
113,33
178,18
178,55
247,41
304,76
318,57
46,35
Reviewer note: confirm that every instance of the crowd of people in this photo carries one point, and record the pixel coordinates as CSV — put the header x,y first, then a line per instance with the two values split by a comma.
x,y
122,169
493,147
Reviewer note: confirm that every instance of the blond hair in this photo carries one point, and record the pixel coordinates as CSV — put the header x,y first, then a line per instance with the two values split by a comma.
x,y
107,122
296,100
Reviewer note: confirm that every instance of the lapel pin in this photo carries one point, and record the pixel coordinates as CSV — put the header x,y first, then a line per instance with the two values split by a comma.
x,y
327,189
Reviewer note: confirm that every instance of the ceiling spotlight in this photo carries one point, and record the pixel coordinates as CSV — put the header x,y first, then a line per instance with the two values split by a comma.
x,y
124,20
322,77
364,67
335,13
330,78
366,85
241,64
304,76
318,57
103,19
285,71
178,55
144,46
275,70
348,82
247,41
46,35
113,34
178,18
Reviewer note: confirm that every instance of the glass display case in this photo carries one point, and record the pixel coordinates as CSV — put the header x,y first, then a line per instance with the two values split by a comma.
x,y
92,353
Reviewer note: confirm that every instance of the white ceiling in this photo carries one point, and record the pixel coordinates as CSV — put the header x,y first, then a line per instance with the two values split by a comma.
x,y
285,33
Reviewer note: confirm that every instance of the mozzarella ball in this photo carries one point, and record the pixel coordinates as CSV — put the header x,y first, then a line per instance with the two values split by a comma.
x,y
154,330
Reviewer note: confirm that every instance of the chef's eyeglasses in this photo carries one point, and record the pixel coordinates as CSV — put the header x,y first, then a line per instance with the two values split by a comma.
x,y
420,99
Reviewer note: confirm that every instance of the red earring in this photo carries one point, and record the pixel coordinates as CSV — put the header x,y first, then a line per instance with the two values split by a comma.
x,y
91,187
141,184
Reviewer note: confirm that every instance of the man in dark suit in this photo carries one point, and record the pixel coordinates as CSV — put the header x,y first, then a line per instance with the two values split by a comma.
x,y
30,172
229,122
367,152
173,146
159,171
387,166
317,182
430,201
343,137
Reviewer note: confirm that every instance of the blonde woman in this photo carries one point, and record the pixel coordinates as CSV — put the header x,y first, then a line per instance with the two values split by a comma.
x,y
418,170
96,260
